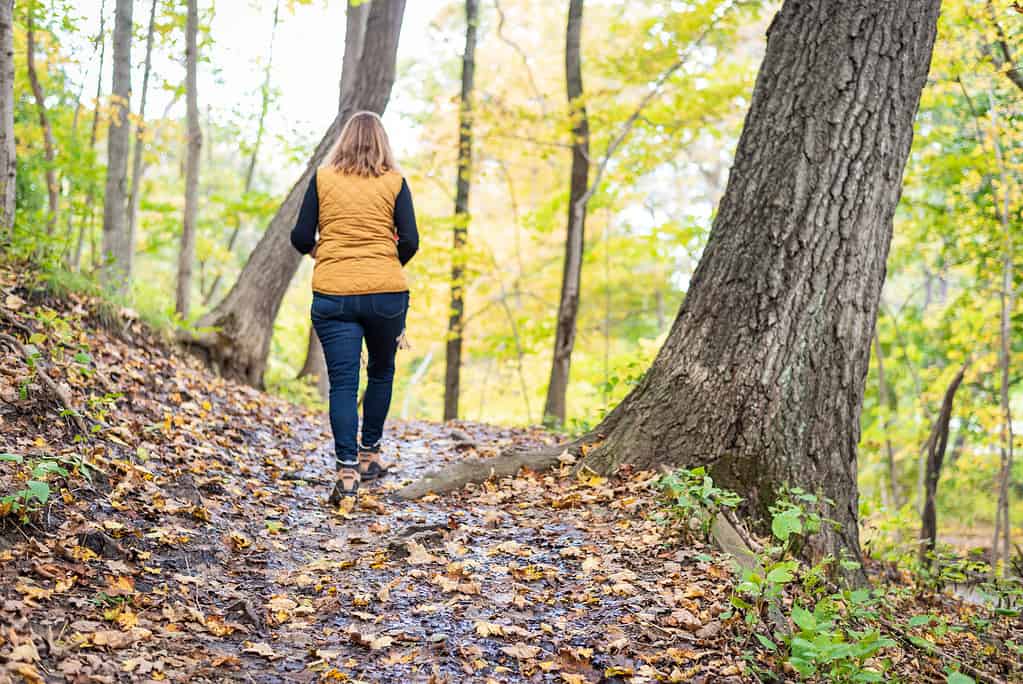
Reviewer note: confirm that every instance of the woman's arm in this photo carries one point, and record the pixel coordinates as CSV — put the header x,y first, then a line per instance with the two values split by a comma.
x,y
405,224
303,235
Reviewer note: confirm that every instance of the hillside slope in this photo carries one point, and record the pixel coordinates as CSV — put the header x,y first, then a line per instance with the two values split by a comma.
x,y
175,528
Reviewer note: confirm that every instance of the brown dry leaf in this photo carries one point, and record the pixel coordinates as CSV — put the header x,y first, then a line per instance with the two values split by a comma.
x,y
372,504
28,673
485,629
521,651
114,638
14,302
25,653
418,555
260,648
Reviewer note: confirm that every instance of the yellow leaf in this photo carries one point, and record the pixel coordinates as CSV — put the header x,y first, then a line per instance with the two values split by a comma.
x,y
484,628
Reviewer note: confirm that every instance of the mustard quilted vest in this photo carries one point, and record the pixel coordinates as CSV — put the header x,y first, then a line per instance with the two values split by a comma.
x,y
357,252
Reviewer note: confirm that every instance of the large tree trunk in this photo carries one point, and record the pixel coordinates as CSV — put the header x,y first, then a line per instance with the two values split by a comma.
x,y
243,321
568,306
762,375
116,257
140,135
315,365
937,442
187,254
49,146
460,232
8,154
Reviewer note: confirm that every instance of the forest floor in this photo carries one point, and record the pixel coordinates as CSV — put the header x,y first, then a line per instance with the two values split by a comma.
x,y
190,541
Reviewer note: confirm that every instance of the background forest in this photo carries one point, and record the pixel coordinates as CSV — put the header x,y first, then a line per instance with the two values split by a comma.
x,y
661,132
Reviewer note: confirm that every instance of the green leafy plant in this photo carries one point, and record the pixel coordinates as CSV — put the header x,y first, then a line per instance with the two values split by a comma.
x,y
825,633
692,498
36,492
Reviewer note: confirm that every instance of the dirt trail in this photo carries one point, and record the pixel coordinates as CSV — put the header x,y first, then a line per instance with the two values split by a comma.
x,y
200,546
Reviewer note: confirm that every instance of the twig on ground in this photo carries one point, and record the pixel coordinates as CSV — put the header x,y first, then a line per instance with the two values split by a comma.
x,y
56,390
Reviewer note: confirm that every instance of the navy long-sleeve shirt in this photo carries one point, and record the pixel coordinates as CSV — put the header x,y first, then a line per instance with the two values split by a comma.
x,y
303,235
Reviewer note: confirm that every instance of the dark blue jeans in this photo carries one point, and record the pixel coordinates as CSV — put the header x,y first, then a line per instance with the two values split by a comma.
x,y
341,323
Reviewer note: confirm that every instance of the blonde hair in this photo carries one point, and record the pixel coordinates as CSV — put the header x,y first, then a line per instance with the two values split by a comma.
x,y
362,149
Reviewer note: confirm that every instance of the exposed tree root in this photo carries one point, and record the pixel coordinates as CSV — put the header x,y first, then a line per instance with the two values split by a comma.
x,y
476,470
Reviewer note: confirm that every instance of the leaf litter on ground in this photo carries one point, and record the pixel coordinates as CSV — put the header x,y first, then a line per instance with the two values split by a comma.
x,y
200,547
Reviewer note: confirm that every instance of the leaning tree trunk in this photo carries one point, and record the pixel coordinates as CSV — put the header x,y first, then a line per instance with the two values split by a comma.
x,y
140,139
49,146
116,257
460,232
762,375
8,154
568,307
937,442
187,254
315,365
243,322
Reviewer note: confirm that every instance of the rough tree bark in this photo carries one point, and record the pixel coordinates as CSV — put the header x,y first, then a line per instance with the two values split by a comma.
x,y
568,306
116,258
242,323
315,364
937,442
187,254
8,153
140,136
460,231
762,375
49,146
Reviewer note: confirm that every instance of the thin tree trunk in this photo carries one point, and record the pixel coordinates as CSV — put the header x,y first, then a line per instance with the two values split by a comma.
x,y
1002,523
86,222
575,240
8,154
187,254
49,146
140,142
453,352
762,375
244,319
116,257
936,444
886,400
315,364
264,104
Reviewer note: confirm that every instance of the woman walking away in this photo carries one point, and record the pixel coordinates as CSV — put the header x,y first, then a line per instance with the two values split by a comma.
x,y
367,231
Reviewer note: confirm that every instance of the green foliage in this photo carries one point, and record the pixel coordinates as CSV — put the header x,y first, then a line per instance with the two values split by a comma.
x,y
691,498
36,491
827,633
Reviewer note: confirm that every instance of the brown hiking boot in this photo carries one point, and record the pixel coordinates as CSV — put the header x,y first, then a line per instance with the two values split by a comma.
x,y
371,466
347,485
